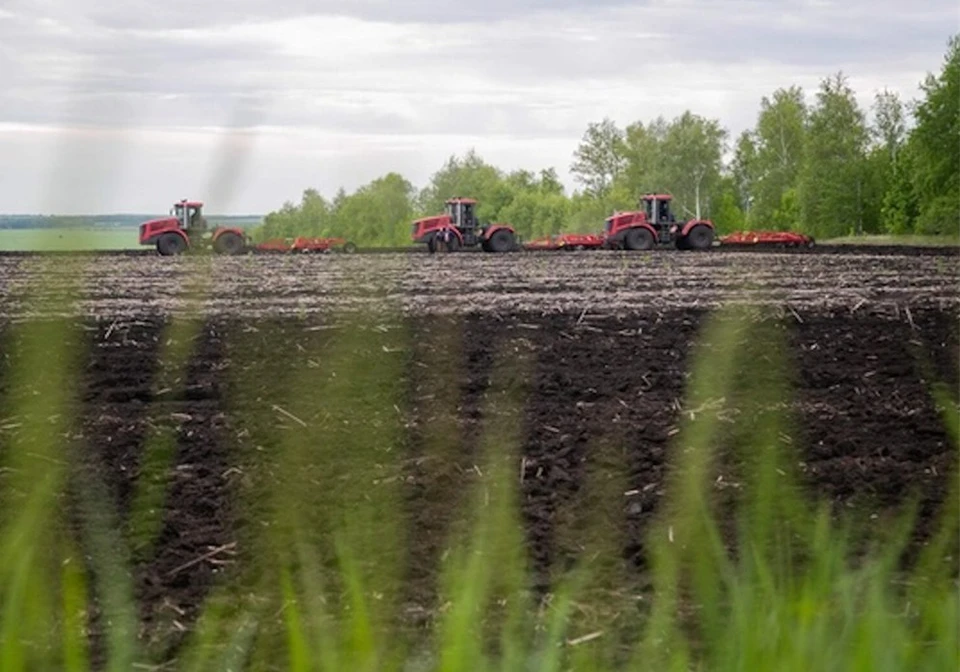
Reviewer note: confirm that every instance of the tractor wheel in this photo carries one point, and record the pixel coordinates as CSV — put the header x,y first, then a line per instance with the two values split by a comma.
x,y
638,239
171,244
436,244
349,248
451,245
501,241
228,243
699,238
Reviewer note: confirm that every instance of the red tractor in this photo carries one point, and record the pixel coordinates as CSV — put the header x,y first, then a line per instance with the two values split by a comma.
x,y
654,226
186,227
458,228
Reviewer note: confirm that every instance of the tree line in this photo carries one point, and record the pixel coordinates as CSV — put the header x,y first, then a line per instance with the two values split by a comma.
x,y
825,167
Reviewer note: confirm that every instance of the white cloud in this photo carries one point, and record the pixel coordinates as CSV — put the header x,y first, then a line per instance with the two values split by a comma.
x,y
342,92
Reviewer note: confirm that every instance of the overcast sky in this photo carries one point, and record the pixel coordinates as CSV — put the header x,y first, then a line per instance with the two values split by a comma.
x,y
128,105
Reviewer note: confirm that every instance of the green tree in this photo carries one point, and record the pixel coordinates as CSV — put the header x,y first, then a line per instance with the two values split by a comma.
x,y
644,169
935,145
378,213
727,214
470,177
550,182
890,124
777,154
831,185
599,159
692,151
743,169
899,208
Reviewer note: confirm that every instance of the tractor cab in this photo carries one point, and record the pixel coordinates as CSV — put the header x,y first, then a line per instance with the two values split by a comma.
x,y
462,213
189,215
657,209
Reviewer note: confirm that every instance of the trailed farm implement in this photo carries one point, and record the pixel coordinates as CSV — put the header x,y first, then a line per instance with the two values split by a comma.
x,y
186,228
306,245
767,239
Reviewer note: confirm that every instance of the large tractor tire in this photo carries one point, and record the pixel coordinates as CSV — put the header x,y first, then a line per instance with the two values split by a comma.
x,y
700,237
638,239
228,243
437,244
349,248
171,244
501,241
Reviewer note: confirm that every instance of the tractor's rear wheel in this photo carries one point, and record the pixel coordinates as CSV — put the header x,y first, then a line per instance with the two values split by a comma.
x,y
638,239
228,243
501,241
699,238
171,244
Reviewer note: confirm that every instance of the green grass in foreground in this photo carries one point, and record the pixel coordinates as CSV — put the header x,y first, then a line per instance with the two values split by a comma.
x,y
67,240
773,583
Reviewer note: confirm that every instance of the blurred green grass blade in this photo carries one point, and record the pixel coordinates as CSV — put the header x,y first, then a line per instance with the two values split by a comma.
x,y
489,558
12,655
360,647
298,650
41,355
240,644
111,564
201,648
325,644
76,656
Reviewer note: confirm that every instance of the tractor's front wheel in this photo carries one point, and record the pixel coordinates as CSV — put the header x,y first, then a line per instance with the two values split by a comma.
x,y
228,243
349,248
638,239
501,241
438,244
699,238
171,244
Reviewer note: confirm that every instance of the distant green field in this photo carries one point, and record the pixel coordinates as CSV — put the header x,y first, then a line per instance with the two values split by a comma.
x,y
28,240
922,241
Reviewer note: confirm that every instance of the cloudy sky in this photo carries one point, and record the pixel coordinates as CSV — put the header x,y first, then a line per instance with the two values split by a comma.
x,y
128,105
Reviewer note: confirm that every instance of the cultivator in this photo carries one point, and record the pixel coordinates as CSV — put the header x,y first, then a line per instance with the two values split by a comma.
x,y
572,242
306,245
767,239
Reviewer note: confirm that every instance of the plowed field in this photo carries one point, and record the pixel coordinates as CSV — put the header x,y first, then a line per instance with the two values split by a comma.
x,y
607,336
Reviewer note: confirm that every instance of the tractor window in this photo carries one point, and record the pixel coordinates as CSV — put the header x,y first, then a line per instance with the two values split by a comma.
x,y
467,215
664,211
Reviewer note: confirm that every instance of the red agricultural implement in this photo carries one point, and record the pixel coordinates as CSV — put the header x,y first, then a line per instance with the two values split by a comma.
x,y
458,228
766,239
573,242
186,228
307,245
